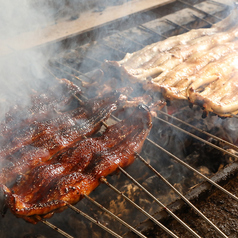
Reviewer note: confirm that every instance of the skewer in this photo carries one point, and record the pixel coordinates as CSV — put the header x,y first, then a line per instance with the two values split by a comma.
x,y
185,164
72,75
155,199
183,197
197,129
198,138
50,72
98,223
63,233
224,236
103,180
194,170
160,203
207,221
77,71
116,217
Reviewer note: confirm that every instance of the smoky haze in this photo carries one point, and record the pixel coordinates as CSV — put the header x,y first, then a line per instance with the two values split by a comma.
x,y
18,69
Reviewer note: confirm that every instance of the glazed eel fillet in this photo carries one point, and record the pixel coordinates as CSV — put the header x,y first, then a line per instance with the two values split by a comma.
x,y
215,87
162,56
54,139
77,170
42,107
175,82
55,121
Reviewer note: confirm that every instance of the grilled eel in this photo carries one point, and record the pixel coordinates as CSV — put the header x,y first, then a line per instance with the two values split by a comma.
x,y
174,84
77,170
43,130
145,62
42,107
95,112
168,60
215,87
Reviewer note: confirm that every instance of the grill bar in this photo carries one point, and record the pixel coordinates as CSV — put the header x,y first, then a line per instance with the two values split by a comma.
x,y
63,233
198,138
194,170
103,180
94,221
177,159
116,217
72,75
185,164
160,203
184,198
197,129
188,202
156,200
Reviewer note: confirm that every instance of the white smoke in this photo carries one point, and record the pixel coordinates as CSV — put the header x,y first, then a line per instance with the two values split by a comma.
x,y
21,70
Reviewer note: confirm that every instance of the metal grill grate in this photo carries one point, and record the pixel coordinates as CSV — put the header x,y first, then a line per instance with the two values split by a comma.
x,y
61,68
150,217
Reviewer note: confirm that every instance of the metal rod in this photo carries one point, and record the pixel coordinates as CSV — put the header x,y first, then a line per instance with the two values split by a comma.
x,y
103,180
116,217
199,10
72,75
197,129
50,72
94,221
160,203
63,233
194,170
77,71
182,162
185,164
198,138
184,198
67,66
176,24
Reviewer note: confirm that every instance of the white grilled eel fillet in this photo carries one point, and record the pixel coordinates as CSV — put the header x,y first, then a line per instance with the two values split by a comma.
x,y
149,60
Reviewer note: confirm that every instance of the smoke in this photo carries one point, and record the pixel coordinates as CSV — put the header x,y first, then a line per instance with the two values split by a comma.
x,y
22,71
